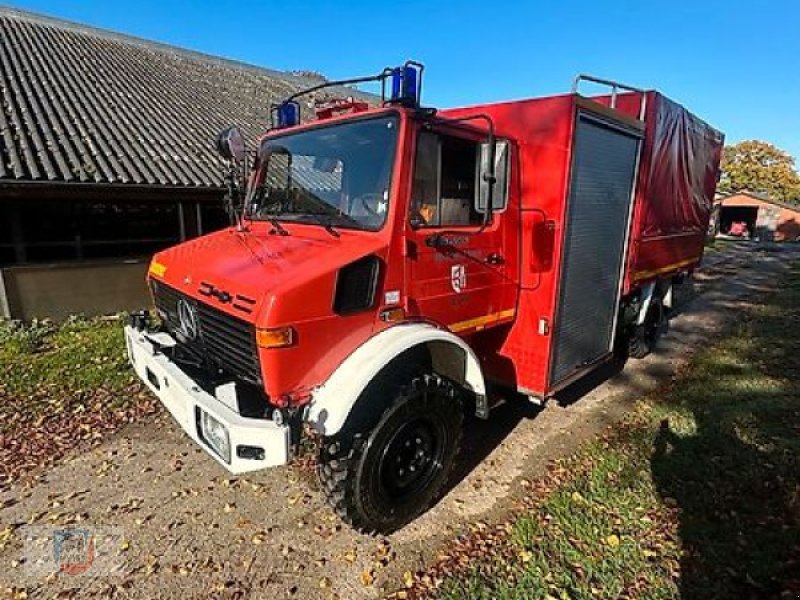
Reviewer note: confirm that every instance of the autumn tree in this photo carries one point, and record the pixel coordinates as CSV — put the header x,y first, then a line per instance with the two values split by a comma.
x,y
760,167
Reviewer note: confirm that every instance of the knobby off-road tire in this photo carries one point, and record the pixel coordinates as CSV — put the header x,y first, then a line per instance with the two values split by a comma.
x,y
643,338
380,477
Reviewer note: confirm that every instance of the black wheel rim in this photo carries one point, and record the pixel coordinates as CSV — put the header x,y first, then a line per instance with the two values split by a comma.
x,y
412,458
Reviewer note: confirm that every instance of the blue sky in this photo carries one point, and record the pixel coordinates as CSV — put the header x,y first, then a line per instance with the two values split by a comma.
x,y
734,63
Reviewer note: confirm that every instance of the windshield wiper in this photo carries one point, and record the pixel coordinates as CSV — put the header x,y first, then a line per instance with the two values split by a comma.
x,y
326,223
276,226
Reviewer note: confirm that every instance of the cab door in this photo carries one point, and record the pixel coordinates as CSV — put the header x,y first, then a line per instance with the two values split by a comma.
x,y
458,266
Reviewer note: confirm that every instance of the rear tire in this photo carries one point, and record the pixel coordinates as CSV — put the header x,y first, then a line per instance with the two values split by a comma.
x,y
380,478
643,338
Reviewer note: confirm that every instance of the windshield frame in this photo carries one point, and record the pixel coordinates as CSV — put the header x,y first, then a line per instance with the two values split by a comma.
x,y
343,221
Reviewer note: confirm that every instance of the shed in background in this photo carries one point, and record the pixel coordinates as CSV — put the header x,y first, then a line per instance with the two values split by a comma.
x,y
764,218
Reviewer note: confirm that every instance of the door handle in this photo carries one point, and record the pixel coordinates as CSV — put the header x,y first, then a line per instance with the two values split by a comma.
x,y
435,241
495,259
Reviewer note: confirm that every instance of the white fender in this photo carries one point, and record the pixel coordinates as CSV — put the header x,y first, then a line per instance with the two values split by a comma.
x,y
332,402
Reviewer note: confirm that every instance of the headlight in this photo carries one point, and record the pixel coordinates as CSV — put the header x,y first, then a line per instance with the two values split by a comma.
x,y
214,434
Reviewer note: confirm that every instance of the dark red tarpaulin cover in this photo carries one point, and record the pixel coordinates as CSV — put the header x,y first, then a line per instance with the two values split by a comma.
x,y
675,189
684,154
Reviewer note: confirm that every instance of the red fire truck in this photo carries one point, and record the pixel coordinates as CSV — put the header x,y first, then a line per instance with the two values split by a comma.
x,y
387,266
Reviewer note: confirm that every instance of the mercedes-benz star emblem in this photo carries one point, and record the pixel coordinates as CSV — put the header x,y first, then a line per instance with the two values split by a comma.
x,y
187,319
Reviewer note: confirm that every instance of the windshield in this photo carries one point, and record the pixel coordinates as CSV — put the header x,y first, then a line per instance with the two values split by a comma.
x,y
337,175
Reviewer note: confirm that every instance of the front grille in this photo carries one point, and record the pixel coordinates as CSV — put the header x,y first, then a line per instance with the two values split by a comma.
x,y
223,342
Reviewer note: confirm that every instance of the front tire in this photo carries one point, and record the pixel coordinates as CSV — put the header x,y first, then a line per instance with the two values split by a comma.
x,y
380,478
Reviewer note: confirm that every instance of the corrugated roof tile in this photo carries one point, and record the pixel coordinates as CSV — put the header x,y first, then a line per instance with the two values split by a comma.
x,y
83,104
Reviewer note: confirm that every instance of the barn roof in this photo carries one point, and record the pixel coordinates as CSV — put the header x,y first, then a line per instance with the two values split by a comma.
x,y
760,197
81,104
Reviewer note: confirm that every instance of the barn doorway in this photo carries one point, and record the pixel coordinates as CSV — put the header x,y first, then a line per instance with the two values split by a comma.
x,y
731,219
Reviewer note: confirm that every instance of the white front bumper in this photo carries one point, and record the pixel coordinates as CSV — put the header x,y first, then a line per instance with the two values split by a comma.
x,y
183,397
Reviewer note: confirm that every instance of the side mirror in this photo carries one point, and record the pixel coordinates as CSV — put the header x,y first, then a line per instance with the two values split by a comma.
x,y
230,144
500,187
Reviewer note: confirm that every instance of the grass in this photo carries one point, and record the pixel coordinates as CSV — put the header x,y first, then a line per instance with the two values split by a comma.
x,y
695,495
48,367
61,385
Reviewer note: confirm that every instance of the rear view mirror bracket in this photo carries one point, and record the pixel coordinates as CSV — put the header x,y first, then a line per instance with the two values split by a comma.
x,y
232,148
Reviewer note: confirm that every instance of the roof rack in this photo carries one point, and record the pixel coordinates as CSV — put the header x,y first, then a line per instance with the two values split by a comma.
x,y
615,87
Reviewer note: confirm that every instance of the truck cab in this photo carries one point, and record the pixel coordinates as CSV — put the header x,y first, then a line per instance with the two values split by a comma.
x,y
384,264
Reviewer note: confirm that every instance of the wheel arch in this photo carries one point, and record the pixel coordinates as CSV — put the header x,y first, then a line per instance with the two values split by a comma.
x,y
451,357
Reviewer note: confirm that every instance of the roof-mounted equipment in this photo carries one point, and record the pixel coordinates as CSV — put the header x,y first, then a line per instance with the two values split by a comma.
x,y
405,89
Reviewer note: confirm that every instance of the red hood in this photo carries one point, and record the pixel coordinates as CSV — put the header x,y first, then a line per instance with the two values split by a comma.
x,y
260,266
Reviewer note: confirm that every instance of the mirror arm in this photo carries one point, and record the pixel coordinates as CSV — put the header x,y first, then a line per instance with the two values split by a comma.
x,y
232,147
490,177
243,173
232,185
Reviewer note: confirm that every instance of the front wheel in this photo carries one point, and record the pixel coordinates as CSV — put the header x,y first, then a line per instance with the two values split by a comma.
x,y
379,480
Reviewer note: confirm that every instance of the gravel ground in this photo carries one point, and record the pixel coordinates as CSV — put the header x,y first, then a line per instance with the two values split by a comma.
x,y
192,531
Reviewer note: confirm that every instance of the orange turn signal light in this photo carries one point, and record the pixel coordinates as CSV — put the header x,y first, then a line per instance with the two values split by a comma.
x,y
277,337
157,269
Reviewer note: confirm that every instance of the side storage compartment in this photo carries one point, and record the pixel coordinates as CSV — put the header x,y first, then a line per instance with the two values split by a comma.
x,y
604,163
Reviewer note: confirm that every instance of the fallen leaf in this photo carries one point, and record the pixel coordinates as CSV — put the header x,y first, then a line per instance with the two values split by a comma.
x,y
258,538
408,579
350,556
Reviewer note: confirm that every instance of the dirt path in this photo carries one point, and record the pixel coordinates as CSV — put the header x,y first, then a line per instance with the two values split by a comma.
x,y
194,531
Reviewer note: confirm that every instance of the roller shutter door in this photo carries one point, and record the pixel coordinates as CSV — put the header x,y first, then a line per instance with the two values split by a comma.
x,y
603,173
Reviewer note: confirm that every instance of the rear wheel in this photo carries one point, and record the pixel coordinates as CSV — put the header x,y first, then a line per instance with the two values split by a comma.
x,y
381,477
643,338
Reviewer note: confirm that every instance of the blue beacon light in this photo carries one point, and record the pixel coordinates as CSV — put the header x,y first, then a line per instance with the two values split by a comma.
x,y
405,84
288,114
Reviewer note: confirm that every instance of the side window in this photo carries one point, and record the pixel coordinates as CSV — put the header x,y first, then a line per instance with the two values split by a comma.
x,y
425,189
459,175
446,185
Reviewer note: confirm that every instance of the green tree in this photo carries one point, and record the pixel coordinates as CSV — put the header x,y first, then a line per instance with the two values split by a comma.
x,y
760,167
